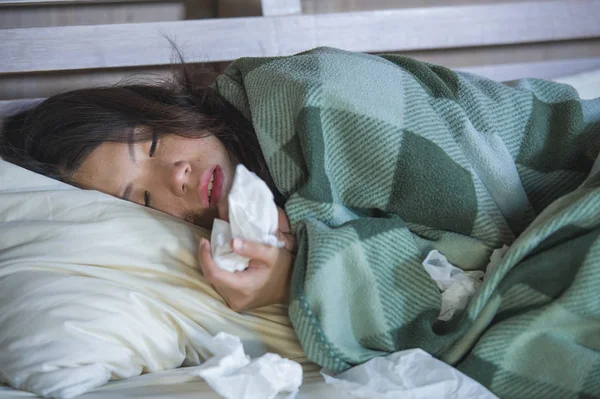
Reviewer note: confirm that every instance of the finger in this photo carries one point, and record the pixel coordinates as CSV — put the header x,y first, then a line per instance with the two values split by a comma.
x,y
207,263
288,239
206,267
253,265
256,251
213,274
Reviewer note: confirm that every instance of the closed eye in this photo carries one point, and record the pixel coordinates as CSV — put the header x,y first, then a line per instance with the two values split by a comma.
x,y
153,145
150,153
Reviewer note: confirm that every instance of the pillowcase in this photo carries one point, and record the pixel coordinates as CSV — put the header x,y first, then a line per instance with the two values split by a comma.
x,y
94,288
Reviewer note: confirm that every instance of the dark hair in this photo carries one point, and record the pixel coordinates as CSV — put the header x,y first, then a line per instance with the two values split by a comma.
x,y
55,137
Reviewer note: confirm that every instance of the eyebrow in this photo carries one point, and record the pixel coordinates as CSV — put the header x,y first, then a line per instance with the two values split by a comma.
x,y
127,193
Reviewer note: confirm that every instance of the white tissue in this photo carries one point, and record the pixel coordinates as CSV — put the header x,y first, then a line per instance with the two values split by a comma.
x,y
456,286
252,216
409,374
232,374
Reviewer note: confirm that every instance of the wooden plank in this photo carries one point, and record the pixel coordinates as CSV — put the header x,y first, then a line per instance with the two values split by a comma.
x,y
238,8
90,14
44,84
12,107
501,72
329,6
281,7
37,3
120,45
542,70
586,83
508,54
200,9
255,8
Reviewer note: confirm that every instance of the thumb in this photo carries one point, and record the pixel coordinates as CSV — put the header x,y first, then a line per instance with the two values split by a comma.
x,y
256,251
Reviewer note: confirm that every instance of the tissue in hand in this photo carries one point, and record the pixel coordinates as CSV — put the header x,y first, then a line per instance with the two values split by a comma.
x,y
252,216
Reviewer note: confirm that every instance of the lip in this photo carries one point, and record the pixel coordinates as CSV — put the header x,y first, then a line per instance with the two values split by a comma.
x,y
217,189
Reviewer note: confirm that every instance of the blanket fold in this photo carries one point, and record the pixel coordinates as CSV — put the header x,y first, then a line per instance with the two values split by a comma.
x,y
384,158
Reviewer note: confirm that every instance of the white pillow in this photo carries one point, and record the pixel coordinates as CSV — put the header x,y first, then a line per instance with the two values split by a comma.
x,y
94,288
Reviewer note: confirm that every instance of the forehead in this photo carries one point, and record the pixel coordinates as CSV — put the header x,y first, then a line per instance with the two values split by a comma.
x,y
106,169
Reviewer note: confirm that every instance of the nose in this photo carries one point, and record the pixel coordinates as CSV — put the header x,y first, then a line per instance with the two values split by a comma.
x,y
179,178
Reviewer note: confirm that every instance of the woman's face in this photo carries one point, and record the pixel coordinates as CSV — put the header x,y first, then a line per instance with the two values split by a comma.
x,y
187,178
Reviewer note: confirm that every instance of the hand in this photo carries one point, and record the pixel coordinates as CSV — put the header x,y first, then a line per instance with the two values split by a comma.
x,y
267,279
284,232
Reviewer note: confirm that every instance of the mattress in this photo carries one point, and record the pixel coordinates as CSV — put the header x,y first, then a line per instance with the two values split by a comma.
x,y
171,384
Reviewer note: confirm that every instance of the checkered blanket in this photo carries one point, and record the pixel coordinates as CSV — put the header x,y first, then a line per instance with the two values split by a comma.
x,y
384,158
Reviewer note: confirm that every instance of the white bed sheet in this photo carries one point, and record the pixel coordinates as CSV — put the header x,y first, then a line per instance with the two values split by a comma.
x,y
173,385
176,385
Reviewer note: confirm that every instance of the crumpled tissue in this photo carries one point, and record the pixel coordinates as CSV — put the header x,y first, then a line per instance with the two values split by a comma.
x,y
232,374
456,286
409,374
252,216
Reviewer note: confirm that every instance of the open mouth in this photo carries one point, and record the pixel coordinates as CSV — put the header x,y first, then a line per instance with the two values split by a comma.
x,y
210,185
212,189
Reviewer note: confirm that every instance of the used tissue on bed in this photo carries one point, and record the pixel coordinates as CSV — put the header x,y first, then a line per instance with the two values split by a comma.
x,y
252,216
411,373
456,286
233,375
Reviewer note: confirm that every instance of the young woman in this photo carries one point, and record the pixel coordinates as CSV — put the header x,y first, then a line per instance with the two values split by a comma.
x,y
170,145
376,160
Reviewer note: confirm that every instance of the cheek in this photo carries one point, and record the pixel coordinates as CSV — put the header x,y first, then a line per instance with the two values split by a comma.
x,y
211,151
212,145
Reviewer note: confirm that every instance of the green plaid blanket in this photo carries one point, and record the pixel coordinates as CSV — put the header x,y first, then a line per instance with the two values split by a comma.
x,y
384,158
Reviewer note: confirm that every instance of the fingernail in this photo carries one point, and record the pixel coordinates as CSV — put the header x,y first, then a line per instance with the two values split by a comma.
x,y
204,242
237,244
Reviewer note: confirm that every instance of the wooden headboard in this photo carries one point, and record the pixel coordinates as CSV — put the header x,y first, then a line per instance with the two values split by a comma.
x,y
283,29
